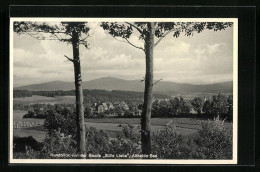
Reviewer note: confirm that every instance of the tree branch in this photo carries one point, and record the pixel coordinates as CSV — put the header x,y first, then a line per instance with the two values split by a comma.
x,y
133,44
42,31
35,36
60,39
69,59
128,42
56,36
83,39
119,40
41,37
139,30
57,32
159,40
157,81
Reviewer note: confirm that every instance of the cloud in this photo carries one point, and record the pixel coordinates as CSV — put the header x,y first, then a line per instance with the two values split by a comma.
x,y
204,58
100,59
181,57
33,67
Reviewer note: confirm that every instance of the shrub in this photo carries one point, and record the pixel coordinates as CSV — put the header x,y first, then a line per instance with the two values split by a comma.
x,y
220,105
229,115
40,116
189,150
207,107
174,107
167,142
21,143
63,122
127,142
97,141
88,112
26,148
61,133
215,140
57,143
28,154
197,104
30,114
179,106
161,108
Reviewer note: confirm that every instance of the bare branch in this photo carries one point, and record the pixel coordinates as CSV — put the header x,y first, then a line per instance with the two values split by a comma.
x,y
139,30
56,36
128,42
159,40
119,40
69,59
41,37
85,38
91,34
60,39
133,44
36,36
143,79
157,81
57,32
42,31
179,29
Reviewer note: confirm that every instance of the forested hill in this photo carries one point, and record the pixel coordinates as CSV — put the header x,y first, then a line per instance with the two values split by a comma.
x,y
110,83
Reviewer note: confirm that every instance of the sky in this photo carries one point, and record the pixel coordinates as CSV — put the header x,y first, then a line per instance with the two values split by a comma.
x,y
203,58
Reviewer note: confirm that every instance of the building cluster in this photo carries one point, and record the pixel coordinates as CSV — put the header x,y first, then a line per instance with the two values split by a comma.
x,y
118,108
101,107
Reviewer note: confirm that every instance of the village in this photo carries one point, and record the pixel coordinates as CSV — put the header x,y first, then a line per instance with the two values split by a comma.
x,y
96,109
116,109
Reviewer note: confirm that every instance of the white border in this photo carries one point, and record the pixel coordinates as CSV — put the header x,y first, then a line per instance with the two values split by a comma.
x,y
130,161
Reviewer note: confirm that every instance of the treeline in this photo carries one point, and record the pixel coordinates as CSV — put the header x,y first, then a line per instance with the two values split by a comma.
x,y
91,96
41,110
22,93
217,105
26,93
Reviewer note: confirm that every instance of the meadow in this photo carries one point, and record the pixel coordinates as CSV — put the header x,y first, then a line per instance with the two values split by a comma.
x,y
189,127
42,99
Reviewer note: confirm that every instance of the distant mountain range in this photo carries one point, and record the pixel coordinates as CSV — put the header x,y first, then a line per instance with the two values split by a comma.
x,y
110,83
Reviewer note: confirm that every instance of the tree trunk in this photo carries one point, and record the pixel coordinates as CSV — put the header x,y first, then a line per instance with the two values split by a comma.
x,y
81,141
148,92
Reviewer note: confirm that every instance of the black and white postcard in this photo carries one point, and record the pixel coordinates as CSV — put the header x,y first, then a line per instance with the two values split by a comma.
x,y
123,90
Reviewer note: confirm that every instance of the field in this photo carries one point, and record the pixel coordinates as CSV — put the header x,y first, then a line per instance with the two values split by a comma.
x,y
38,134
188,126
113,128
18,116
42,99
